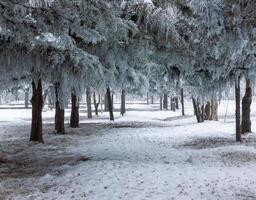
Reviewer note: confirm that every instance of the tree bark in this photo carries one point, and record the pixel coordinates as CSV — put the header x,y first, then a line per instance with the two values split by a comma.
x,y
96,104
26,97
123,95
246,109
177,102
74,118
238,125
110,105
214,110
36,133
182,103
106,104
89,103
165,101
152,99
59,113
161,102
173,106
207,111
198,110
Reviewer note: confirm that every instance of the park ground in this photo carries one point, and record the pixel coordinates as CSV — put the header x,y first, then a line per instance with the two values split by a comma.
x,y
147,154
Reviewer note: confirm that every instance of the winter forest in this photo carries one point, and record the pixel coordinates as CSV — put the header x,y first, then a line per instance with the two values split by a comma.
x,y
127,99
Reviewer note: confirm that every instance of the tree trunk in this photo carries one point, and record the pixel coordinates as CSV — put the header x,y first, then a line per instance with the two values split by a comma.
x,y
207,111
36,133
89,103
173,106
59,113
165,101
182,102
111,115
26,97
74,118
152,99
177,102
147,98
246,109
96,104
123,102
161,102
214,110
106,104
198,110
238,125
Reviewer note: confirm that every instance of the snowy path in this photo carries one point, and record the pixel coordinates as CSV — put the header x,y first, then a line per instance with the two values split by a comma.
x,y
131,160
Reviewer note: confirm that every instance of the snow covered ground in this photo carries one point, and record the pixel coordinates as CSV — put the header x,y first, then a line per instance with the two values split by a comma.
x,y
147,154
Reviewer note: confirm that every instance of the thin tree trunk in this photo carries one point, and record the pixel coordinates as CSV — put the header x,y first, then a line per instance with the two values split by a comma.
x,y
182,102
96,104
106,104
74,118
26,97
177,102
238,125
36,133
152,99
246,109
123,102
89,103
111,115
59,113
165,101
198,110
147,98
161,102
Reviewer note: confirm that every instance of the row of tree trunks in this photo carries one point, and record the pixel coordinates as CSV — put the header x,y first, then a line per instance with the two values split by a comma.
x,y
74,118
198,110
59,113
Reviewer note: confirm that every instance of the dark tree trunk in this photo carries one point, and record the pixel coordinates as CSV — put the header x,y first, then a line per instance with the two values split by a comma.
x,y
182,102
207,111
89,103
36,133
161,102
165,101
59,113
177,102
96,104
214,110
26,97
123,102
173,106
111,114
246,109
152,99
238,125
106,104
198,110
74,118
